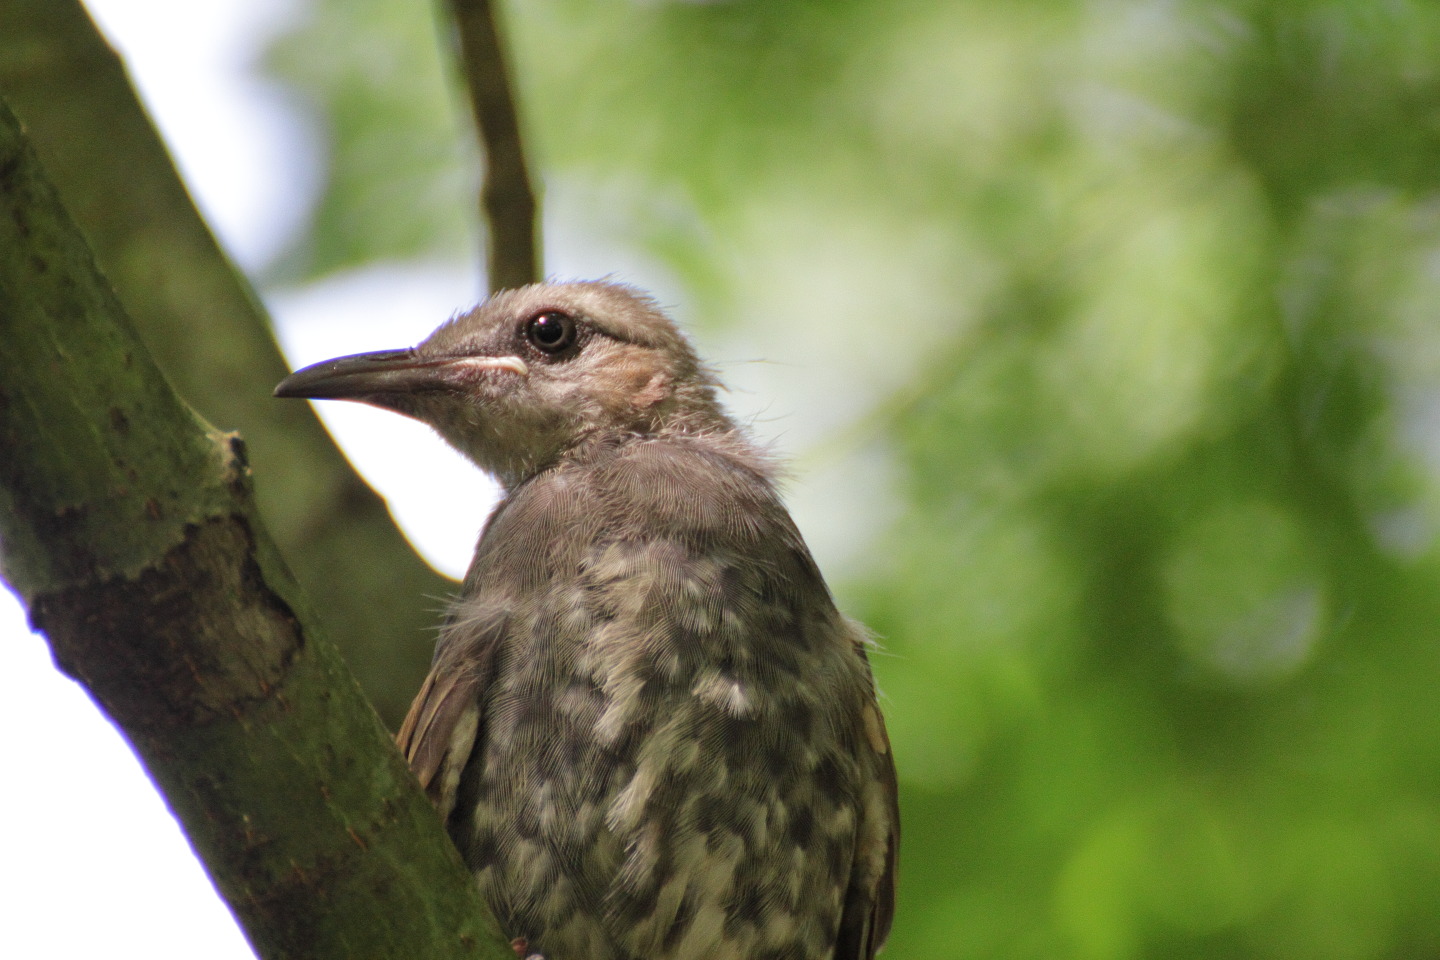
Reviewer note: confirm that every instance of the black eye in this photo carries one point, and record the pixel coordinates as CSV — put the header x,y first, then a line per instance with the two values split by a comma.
x,y
551,331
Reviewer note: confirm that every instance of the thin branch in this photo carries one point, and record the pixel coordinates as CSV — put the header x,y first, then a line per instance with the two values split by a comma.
x,y
507,200
128,530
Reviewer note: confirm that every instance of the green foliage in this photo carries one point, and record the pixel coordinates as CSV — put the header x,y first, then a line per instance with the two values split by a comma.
x,y
401,171
1148,290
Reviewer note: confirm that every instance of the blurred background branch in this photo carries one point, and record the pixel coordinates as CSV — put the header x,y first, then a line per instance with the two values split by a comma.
x,y
507,200
209,333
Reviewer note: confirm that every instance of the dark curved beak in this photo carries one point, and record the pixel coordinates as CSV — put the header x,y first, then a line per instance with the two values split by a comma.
x,y
363,376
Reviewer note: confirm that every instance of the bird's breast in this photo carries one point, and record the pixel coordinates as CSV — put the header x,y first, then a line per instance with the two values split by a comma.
x,y
668,760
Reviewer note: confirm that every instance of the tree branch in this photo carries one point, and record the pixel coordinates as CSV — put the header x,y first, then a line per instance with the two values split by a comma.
x,y
507,201
207,330
128,530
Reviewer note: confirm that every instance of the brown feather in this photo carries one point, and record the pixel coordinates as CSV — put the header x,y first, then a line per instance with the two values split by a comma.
x,y
436,736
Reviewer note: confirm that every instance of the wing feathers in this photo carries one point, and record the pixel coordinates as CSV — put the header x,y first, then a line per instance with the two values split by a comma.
x,y
441,728
870,899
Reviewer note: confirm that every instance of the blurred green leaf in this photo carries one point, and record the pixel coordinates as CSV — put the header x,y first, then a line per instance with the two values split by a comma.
x,y
400,173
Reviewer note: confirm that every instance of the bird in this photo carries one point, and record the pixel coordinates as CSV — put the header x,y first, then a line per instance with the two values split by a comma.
x,y
647,727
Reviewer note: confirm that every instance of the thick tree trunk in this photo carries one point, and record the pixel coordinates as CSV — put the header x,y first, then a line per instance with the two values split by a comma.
x,y
128,530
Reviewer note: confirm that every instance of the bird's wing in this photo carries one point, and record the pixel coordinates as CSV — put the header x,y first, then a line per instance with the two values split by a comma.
x,y
440,730
870,898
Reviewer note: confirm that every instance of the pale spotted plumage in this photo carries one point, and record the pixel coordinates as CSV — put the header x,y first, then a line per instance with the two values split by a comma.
x,y
651,734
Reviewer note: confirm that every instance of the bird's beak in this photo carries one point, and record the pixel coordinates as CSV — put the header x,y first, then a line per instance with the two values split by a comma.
x,y
364,376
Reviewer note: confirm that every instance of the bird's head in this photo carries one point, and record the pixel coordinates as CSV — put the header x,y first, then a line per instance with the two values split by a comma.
x,y
532,372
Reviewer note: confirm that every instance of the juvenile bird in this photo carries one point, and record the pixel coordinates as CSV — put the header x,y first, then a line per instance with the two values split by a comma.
x,y
647,728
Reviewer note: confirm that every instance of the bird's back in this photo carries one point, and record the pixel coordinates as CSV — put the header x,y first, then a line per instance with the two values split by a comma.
x,y
663,741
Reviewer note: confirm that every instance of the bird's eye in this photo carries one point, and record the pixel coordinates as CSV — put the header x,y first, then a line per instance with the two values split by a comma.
x,y
551,331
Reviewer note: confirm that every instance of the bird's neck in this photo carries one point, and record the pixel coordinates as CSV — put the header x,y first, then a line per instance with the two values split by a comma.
x,y
716,432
